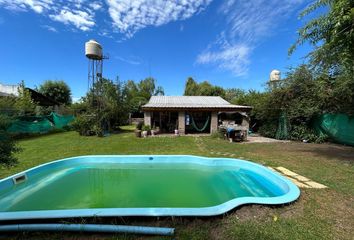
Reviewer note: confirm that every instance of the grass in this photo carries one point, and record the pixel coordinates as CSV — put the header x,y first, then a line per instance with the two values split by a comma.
x,y
318,214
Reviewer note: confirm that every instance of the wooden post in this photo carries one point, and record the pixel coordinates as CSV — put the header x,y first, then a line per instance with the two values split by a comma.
x,y
214,122
182,123
147,118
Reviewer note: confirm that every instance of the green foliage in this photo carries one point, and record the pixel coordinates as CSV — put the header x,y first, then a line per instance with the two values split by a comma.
x,y
24,103
111,102
56,90
85,125
139,125
305,133
139,94
268,129
79,107
331,33
257,100
146,128
217,134
7,144
234,94
192,88
8,106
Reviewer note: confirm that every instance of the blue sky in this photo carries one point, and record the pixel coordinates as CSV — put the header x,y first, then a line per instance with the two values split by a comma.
x,y
231,43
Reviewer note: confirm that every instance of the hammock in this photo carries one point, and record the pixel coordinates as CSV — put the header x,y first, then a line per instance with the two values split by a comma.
x,y
197,128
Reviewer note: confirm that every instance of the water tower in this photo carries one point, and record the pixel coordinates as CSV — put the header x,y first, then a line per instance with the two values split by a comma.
x,y
93,51
274,79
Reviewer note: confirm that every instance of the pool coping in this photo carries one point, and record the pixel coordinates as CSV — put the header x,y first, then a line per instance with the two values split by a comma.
x,y
292,194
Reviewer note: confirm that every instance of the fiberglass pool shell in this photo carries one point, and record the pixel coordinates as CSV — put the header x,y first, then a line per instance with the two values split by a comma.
x,y
140,185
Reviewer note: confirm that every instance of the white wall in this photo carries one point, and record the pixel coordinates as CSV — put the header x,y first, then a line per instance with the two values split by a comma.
x,y
9,89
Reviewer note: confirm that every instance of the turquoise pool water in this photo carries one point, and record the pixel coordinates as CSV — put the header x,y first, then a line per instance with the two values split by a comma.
x,y
138,185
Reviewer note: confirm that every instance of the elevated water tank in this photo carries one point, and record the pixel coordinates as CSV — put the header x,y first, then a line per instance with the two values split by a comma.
x,y
93,50
274,75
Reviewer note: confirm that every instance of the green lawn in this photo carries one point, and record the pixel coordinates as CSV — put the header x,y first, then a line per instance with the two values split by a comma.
x,y
318,214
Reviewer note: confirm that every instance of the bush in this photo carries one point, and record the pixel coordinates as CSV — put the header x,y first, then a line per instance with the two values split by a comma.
x,y
268,130
139,125
217,134
146,128
7,144
302,132
85,125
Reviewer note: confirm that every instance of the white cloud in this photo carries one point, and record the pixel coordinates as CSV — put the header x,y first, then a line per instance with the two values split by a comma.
x,y
50,28
80,19
95,5
126,16
130,16
248,22
78,13
234,58
131,60
21,5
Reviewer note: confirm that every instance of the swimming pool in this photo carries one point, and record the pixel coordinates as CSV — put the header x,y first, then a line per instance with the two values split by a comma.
x,y
140,185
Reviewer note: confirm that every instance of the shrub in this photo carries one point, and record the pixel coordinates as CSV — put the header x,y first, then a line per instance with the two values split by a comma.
x,y
146,128
302,132
139,125
85,125
217,134
268,130
7,144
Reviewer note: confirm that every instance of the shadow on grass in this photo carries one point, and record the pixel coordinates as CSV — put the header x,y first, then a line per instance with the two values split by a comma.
x,y
332,151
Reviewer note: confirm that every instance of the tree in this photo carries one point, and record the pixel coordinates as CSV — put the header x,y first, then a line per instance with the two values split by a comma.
x,y
332,34
204,88
232,94
191,87
56,90
24,103
7,144
139,94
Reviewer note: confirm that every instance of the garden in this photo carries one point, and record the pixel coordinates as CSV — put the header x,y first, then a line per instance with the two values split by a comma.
x,y
311,110
317,214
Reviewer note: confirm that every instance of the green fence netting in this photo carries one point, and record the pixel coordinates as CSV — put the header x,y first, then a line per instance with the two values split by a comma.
x,y
339,127
283,128
39,124
61,121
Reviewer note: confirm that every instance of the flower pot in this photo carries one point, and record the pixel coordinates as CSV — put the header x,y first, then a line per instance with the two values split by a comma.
x,y
176,132
153,132
138,133
144,134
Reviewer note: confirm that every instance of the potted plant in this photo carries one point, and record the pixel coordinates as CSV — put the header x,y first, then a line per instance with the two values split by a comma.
x,y
145,130
153,132
157,130
176,132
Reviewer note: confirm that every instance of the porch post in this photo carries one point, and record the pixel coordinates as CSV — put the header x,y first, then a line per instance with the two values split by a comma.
x,y
182,123
147,118
246,123
214,122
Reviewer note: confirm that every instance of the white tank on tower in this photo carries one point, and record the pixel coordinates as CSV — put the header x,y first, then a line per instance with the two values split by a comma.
x,y
274,76
93,50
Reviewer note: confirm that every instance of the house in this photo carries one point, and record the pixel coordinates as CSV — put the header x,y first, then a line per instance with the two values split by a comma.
x,y
38,98
194,114
8,90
